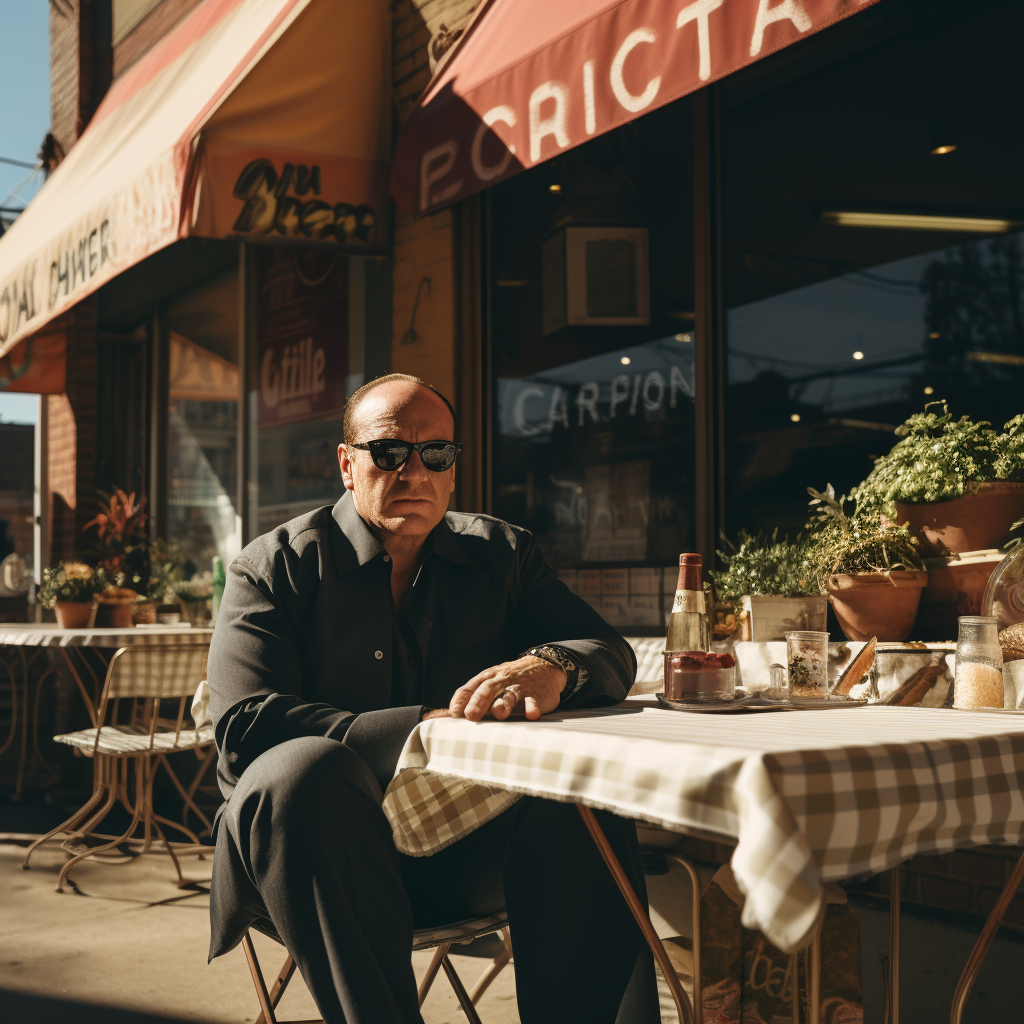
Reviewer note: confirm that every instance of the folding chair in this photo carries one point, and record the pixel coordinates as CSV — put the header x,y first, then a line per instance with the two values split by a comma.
x,y
440,939
133,739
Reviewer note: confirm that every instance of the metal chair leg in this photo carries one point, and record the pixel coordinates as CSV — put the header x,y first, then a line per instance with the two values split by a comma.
x,y
460,991
892,994
988,933
814,979
497,965
435,965
267,1014
679,996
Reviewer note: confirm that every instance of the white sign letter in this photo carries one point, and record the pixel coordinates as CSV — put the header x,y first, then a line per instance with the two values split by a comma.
x,y
620,392
446,153
790,10
699,12
519,411
484,171
589,109
553,125
622,94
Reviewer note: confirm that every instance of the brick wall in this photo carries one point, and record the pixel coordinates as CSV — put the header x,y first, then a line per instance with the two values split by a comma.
x,y
64,72
71,439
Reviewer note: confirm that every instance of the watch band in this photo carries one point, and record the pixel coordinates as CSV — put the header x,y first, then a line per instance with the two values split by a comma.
x,y
558,656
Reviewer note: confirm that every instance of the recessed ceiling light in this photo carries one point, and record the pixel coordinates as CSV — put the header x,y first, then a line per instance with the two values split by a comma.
x,y
934,335
624,360
858,354
929,390
941,139
795,417
684,337
554,188
917,222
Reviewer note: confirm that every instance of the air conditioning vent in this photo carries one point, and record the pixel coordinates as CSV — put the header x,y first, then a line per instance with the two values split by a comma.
x,y
595,276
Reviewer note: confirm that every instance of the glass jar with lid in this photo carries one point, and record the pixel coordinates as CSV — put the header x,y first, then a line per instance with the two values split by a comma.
x,y
978,675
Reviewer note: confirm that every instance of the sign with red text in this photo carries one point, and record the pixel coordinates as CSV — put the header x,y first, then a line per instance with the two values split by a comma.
x,y
531,79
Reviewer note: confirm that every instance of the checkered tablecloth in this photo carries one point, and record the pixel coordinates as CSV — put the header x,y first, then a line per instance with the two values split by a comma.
x,y
808,796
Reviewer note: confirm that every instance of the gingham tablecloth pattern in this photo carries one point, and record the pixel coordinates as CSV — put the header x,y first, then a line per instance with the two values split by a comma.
x,y
47,634
810,796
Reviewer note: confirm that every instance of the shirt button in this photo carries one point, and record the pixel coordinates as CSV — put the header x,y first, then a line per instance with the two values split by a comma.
x,y
378,655
387,558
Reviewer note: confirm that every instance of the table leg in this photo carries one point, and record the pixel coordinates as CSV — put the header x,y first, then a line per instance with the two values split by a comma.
x,y
988,933
90,704
679,996
892,1001
12,732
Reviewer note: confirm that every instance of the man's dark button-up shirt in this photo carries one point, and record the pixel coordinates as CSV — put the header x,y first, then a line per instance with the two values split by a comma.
x,y
307,636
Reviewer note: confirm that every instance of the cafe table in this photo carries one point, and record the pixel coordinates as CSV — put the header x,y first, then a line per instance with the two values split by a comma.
x,y
22,644
807,797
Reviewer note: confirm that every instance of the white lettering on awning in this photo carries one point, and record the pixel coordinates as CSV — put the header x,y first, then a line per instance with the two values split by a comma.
x,y
429,174
555,124
790,10
486,172
589,107
699,13
622,94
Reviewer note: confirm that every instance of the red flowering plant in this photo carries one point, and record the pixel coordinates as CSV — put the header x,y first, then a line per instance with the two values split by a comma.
x,y
121,547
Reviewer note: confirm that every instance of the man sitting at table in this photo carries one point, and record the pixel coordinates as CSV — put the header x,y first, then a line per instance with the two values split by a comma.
x,y
340,631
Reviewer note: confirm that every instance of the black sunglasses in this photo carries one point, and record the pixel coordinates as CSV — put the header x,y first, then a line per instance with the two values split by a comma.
x,y
391,454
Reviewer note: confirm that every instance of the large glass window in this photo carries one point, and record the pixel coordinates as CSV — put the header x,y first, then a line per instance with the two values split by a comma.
x,y
591,321
202,428
849,304
317,336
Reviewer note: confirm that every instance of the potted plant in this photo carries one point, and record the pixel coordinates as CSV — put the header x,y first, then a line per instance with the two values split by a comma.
x,y
868,566
69,590
166,569
957,483
771,584
195,597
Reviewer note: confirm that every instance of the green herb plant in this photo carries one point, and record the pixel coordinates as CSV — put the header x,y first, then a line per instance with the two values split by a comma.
x,y
760,565
862,540
941,458
71,581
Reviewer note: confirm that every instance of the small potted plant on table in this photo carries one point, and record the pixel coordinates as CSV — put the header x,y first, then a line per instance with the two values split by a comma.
x,y
956,483
70,590
868,566
771,585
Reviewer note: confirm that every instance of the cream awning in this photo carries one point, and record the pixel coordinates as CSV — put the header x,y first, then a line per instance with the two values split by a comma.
x,y
252,119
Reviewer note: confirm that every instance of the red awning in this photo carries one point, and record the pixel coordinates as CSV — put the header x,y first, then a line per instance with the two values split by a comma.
x,y
533,78
251,119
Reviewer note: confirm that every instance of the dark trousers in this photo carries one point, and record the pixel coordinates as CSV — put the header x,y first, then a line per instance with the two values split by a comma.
x,y
304,842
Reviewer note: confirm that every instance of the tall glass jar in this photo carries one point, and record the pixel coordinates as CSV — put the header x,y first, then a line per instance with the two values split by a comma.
x,y
978,675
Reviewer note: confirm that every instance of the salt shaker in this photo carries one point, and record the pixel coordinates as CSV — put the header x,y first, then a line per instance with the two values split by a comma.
x,y
978,676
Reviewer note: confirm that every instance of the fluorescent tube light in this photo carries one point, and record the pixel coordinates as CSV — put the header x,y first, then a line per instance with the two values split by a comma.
x,y
916,222
996,357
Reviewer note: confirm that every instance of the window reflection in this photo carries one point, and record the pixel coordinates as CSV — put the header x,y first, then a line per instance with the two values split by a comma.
x,y
203,421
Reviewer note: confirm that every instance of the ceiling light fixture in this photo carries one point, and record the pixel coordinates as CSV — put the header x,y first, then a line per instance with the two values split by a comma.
x,y
684,337
858,354
917,222
934,334
554,188
1006,358
624,360
929,390
941,139
795,417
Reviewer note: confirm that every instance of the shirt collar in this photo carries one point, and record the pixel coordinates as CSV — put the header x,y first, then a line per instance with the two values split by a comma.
x,y
358,544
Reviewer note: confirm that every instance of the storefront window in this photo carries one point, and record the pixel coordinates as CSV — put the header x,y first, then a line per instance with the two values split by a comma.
x,y
316,336
843,319
592,338
202,429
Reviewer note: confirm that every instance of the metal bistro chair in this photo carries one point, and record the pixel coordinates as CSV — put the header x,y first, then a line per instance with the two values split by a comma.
x,y
133,739
439,939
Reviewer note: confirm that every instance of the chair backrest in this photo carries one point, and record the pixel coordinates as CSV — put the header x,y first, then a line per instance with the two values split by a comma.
x,y
156,671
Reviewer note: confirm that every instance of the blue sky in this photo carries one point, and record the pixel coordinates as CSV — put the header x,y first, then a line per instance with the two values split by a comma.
x,y
24,120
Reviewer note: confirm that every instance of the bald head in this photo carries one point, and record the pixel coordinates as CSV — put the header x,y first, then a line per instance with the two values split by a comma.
x,y
392,392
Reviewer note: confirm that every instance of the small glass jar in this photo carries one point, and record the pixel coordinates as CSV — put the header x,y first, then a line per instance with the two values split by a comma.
x,y
807,664
978,673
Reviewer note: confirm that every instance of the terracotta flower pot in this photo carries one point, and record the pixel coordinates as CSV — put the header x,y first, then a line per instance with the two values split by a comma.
x,y
74,614
980,519
114,616
882,605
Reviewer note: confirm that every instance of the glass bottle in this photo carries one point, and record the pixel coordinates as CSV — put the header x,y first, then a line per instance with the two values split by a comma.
x,y
978,673
688,627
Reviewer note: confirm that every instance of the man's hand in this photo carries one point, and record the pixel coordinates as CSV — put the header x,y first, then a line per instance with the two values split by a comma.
x,y
529,683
